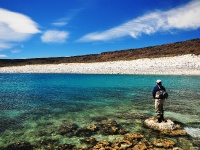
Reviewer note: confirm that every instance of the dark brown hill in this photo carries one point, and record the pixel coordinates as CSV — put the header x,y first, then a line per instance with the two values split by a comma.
x,y
166,50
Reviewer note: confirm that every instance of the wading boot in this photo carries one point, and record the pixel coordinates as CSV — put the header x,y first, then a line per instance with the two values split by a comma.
x,y
159,118
162,118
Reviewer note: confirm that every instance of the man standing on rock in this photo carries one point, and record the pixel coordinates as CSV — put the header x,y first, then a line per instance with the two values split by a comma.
x,y
159,95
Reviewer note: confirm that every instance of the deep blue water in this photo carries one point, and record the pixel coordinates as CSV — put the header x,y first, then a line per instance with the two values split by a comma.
x,y
27,98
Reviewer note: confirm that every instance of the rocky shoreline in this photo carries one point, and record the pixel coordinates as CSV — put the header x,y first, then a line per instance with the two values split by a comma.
x,y
128,140
178,65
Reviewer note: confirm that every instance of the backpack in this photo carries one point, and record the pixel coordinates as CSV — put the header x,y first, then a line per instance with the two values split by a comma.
x,y
161,94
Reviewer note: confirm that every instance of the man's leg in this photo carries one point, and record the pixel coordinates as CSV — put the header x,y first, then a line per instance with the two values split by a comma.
x,y
158,109
162,101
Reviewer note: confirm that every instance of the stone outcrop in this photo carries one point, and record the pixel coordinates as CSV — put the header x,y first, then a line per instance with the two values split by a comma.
x,y
167,127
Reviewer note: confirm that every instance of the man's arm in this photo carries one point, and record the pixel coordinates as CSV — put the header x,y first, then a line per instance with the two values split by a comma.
x,y
155,89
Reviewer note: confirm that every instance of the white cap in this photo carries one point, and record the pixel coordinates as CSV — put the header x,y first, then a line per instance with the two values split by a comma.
x,y
158,81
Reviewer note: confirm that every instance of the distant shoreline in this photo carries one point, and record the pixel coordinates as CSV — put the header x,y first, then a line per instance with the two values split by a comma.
x,y
178,65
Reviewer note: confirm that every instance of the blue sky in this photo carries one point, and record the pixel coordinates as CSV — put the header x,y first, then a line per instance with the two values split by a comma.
x,y
62,28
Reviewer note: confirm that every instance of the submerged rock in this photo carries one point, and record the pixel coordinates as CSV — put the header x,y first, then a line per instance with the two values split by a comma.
x,y
165,127
99,118
19,146
133,116
105,127
102,145
89,140
196,143
86,131
122,144
110,127
163,143
133,136
48,141
178,132
68,129
136,141
65,147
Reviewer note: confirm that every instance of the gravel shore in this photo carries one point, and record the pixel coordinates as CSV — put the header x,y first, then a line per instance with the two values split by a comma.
x,y
178,65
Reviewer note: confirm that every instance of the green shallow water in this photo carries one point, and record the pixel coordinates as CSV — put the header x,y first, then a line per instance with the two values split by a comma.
x,y
34,106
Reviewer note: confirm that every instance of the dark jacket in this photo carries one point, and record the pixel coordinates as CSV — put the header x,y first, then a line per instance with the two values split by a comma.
x,y
156,88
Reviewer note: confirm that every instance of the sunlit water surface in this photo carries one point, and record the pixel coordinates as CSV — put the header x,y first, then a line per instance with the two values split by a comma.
x,y
32,103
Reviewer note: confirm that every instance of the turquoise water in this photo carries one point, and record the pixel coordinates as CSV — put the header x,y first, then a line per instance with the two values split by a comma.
x,y
32,103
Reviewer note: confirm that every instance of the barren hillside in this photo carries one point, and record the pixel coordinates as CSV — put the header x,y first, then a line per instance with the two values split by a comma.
x,y
172,49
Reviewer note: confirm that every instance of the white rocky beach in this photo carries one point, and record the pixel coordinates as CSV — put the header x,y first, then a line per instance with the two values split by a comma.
x,y
177,65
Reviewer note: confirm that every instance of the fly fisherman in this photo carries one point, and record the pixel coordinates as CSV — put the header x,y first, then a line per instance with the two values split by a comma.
x,y
157,93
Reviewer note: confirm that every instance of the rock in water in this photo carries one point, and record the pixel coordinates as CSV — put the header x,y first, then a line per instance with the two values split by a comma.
x,y
166,127
163,143
154,124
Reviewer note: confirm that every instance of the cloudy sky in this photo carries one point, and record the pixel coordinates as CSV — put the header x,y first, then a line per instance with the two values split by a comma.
x,y
62,28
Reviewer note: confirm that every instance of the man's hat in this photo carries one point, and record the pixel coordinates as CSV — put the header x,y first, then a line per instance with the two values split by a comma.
x,y
158,81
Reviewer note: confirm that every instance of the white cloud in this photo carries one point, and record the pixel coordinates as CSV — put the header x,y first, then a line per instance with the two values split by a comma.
x,y
4,45
54,36
61,22
15,51
182,18
15,27
3,56
186,17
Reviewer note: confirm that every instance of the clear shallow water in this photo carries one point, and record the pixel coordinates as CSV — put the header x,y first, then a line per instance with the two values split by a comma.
x,y
32,103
